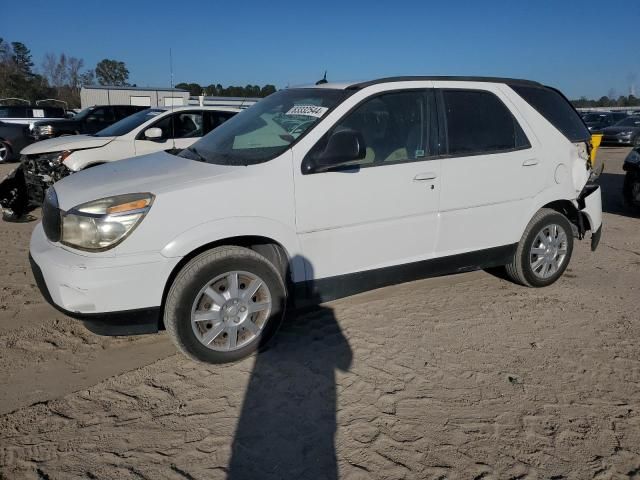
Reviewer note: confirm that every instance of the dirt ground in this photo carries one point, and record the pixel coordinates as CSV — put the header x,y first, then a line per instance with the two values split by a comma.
x,y
466,376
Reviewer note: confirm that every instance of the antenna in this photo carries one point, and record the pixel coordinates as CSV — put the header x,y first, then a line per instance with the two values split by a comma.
x,y
171,118
323,80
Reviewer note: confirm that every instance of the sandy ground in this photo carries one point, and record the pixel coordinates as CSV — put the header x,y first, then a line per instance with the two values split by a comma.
x,y
467,376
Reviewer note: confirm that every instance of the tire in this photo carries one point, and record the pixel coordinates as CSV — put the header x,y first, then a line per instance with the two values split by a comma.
x,y
204,311
631,189
5,152
528,267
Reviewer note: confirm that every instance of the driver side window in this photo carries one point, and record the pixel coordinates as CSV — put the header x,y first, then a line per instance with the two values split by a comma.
x,y
396,127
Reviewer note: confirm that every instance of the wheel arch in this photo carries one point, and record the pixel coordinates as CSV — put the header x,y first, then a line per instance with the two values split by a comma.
x,y
569,210
268,247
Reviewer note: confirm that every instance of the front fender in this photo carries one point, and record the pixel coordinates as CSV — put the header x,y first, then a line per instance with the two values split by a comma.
x,y
219,230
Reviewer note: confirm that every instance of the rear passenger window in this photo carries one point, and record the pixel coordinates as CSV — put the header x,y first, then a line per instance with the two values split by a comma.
x,y
478,122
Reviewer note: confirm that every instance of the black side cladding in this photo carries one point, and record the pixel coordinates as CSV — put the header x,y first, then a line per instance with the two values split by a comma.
x,y
555,107
51,218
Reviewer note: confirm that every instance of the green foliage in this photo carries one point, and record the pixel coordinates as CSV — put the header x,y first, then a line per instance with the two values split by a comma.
x,y
17,79
22,58
621,101
218,90
60,76
112,72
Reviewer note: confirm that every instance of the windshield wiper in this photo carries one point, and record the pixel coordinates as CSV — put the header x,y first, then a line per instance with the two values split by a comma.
x,y
195,152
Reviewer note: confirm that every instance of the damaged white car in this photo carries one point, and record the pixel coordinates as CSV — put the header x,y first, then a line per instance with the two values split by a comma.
x,y
148,131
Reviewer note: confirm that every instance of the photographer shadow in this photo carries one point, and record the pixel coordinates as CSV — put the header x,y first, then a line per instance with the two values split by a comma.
x,y
288,420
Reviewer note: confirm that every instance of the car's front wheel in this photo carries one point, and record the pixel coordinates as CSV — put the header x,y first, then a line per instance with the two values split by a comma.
x,y
544,251
224,304
5,152
631,189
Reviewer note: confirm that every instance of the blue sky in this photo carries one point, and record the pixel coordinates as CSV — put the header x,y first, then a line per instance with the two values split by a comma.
x,y
560,42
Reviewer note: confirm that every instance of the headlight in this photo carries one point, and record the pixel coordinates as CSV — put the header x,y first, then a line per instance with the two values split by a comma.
x,y
102,224
54,158
43,130
625,134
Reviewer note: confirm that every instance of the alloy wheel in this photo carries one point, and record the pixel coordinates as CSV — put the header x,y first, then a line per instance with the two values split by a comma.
x,y
548,251
231,311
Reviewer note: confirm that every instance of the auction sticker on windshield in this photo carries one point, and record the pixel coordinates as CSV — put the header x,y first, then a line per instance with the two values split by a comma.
x,y
308,111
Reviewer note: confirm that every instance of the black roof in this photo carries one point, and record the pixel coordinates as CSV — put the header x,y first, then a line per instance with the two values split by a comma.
x,y
508,81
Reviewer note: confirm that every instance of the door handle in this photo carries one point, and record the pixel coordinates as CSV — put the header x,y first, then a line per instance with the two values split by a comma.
x,y
530,162
421,177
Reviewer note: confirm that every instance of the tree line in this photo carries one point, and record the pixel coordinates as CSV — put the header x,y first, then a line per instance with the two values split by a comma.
x,y
59,76
621,101
218,90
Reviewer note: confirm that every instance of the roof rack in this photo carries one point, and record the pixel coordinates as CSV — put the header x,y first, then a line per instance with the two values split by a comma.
x,y
14,99
509,81
52,100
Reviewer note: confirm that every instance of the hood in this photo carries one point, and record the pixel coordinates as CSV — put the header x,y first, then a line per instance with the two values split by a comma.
x,y
153,173
69,142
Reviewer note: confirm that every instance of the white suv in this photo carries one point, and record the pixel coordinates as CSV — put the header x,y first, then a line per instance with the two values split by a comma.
x,y
318,193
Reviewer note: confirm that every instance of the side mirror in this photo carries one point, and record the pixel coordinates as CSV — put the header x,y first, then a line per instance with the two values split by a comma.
x,y
153,133
343,148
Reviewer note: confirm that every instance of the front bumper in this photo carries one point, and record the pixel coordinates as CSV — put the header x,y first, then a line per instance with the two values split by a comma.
x,y
113,295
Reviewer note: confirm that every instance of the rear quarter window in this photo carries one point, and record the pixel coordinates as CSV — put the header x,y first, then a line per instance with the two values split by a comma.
x,y
553,106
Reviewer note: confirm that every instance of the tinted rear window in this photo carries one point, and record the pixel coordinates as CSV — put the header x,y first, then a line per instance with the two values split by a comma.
x,y
31,112
553,106
13,112
478,122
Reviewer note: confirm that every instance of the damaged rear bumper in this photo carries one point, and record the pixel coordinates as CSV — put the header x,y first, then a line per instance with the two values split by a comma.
x,y
590,211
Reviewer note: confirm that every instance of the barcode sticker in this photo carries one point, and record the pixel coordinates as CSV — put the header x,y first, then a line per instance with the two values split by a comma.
x,y
308,111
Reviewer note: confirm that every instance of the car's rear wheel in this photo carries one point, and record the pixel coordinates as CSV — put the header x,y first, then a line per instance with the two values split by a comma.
x,y
544,251
5,152
224,304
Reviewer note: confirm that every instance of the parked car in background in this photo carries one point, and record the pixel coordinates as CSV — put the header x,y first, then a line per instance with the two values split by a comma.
x,y
319,193
90,120
631,187
596,121
28,115
625,132
147,131
13,138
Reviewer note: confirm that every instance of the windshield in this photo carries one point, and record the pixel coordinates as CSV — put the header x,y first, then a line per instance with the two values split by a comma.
x,y
127,124
266,129
629,122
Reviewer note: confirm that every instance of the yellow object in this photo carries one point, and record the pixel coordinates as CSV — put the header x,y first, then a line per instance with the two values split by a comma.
x,y
596,139
129,206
